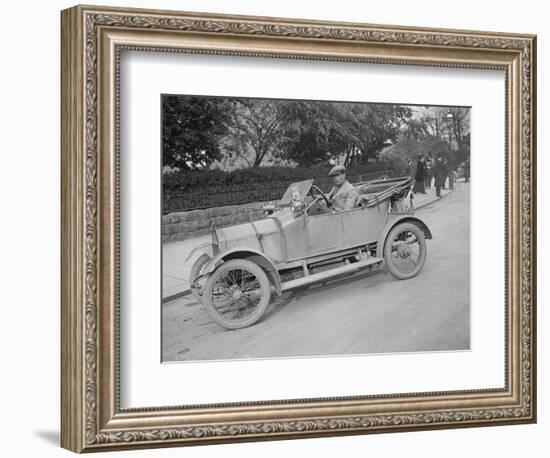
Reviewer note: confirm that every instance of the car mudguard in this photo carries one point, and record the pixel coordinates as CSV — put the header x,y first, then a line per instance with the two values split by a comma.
x,y
205,248
252,255
394,221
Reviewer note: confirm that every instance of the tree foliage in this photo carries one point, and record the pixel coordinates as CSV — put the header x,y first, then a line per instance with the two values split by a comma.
x,y
256,126
254,132
192,128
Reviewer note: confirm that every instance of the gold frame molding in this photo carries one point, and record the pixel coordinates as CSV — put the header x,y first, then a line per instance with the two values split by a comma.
x,y
92,39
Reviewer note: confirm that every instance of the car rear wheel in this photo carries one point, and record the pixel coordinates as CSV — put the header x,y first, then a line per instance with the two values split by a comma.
x,y
237,294
405,250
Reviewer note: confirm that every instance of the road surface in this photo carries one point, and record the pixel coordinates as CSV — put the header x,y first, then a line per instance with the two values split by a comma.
x,y
360,314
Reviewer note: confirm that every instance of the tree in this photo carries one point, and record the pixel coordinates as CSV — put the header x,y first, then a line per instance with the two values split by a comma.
x,y
430,123
409,149
432,130
349,132
192,128
311,133
369,127
458,131
255,129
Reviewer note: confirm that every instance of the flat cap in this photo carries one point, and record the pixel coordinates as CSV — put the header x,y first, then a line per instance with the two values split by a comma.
x,y
336,170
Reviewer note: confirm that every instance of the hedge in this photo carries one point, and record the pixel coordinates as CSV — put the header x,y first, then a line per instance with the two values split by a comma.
x,y
192,189
185,181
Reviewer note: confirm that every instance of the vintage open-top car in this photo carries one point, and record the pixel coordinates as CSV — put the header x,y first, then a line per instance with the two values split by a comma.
x,y
295,245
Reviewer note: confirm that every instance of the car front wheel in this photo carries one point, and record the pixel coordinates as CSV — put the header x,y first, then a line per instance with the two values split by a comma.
x,y
237,294
405,250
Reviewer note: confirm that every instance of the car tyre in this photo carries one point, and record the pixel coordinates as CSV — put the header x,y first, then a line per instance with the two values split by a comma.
x,y
398,241
237,286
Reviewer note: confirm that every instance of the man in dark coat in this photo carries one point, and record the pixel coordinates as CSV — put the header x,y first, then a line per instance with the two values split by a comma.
x,y
441,173
420,176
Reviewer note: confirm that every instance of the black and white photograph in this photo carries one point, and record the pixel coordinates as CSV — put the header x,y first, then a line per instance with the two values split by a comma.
x,y
309,228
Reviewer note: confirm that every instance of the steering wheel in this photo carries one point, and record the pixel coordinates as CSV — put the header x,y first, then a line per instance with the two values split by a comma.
x,y
316,193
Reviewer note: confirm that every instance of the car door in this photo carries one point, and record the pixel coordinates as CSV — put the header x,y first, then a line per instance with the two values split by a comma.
x,y
325,232
363,225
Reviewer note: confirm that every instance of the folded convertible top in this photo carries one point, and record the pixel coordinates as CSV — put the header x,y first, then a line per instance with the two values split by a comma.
x,y
374,192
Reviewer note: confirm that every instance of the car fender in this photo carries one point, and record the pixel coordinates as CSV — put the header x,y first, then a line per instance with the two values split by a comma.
x,y
203,248
392,223
252,255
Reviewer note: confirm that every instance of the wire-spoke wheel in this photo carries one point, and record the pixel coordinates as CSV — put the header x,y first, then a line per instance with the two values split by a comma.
x,y
237,294
405,250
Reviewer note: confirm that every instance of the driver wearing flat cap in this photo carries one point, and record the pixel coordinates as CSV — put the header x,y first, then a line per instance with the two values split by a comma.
x,y
343,195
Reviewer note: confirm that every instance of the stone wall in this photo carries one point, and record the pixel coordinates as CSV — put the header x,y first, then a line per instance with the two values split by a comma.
x,y
194,223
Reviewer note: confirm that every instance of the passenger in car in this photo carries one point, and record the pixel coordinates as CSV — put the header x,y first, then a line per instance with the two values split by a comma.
x,y
343,195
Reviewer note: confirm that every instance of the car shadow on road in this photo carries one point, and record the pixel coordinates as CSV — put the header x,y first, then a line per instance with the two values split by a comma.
x,y
295,295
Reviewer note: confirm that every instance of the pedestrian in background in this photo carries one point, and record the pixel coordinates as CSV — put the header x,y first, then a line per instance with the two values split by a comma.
x,y
429,171
409,168
420,176
440,172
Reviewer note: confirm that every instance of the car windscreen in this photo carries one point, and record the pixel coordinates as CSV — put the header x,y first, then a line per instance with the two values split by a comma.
x,y
302,187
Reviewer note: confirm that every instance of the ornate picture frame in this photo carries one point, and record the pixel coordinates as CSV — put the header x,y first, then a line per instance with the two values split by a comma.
x,y
92,39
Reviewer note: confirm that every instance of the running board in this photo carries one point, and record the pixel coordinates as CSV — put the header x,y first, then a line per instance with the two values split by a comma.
x,y
330,273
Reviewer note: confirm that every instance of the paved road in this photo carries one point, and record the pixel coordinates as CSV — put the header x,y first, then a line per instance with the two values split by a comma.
x,y
366,313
